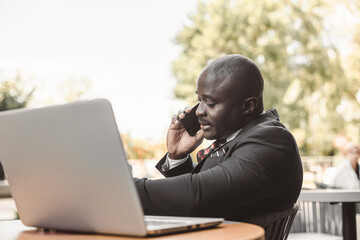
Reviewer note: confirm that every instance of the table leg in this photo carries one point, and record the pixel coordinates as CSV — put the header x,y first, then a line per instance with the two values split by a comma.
x,y
349,220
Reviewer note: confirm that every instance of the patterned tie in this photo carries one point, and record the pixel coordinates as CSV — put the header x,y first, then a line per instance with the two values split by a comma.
x,y
207,151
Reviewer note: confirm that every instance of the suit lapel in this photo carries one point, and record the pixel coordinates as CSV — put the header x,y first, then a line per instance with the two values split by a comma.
x,y
213,160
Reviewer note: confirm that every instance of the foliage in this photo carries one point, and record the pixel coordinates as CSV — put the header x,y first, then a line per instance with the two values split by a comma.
x,y
13,95
289,41
141,149
75,88
350,105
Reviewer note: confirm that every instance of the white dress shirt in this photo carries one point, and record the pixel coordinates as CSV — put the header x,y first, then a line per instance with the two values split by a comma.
x,y
342,176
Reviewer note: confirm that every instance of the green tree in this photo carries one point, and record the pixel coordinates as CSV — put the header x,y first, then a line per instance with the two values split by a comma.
x,y
75,88
12,95
350,107
288,40
141,149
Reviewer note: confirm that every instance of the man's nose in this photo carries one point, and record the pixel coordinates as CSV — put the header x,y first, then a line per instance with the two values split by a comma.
x,y
200,110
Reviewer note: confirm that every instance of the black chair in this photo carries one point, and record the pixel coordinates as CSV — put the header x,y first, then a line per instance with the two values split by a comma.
x,y
277,225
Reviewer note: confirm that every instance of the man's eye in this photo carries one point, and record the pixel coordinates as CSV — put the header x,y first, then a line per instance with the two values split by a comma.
x,y
211,104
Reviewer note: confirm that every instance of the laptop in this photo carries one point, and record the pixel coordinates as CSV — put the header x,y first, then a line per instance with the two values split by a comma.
x,y
67,170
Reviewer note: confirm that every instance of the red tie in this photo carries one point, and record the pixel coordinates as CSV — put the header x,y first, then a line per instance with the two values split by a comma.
x,y
207,151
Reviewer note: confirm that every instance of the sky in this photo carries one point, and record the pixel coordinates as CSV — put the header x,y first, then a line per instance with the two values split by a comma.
x,y
125,48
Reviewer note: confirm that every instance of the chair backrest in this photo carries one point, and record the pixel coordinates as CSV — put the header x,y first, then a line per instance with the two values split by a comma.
x,y
318,217
2,173
277,225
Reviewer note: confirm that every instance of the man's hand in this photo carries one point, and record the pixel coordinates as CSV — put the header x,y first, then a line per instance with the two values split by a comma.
x,y
179,142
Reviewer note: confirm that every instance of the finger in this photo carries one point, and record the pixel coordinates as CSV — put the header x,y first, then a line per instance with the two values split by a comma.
x,y
175,118
184,112
182,115
199,135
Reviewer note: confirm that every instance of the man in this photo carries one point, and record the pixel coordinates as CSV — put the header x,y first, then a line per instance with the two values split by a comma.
x,y
257,168
346,173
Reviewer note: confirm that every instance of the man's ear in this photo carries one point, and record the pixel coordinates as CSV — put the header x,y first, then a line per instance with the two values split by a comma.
x,y
250,105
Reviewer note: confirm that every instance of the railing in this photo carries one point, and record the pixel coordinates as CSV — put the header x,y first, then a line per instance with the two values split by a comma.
x,y
315,167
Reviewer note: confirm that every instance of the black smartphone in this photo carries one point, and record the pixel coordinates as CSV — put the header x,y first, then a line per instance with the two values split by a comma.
x,y
190,122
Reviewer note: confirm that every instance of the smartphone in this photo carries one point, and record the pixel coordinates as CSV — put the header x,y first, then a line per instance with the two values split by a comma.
x,y
190,122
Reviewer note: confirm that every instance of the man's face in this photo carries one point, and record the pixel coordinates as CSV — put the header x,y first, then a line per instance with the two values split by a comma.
x,y
221,109
353,154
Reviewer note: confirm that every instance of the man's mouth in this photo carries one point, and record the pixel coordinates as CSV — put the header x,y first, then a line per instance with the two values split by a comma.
x,y
204,125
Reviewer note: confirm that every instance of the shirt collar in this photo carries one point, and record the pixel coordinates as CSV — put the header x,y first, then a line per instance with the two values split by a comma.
x,y
232,136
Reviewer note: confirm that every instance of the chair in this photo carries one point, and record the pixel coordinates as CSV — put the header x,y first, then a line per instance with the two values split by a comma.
x,y
277,225
4,186
2,173
4,190
317,220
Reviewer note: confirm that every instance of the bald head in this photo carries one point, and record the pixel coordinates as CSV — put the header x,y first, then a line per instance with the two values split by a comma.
x,y
238,71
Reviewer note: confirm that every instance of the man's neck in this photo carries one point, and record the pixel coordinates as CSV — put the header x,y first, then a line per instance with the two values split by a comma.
x,y
233,135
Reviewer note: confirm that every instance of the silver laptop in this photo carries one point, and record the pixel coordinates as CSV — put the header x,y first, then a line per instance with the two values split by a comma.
x,y
67,170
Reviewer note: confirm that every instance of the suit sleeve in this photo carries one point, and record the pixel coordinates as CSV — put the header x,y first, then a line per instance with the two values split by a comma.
x,y
186,167
256,169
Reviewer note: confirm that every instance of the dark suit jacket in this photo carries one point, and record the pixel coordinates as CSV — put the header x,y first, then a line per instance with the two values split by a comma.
x,y
261,172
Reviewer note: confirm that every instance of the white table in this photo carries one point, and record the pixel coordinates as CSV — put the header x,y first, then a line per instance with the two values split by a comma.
x,y
347,197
